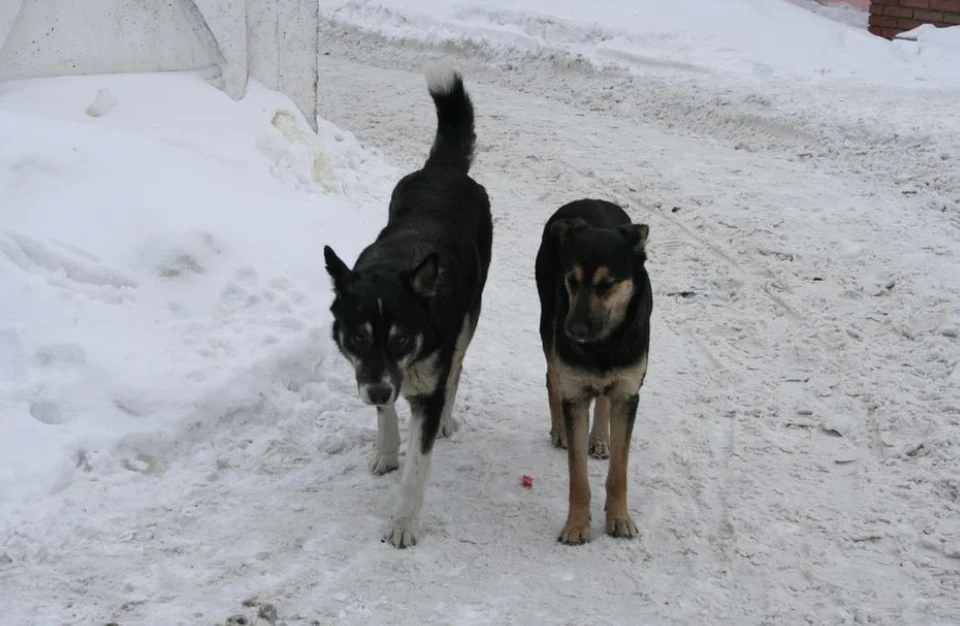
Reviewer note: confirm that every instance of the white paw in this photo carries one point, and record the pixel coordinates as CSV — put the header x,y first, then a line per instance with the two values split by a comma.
x,y
448,427
383,463
402,533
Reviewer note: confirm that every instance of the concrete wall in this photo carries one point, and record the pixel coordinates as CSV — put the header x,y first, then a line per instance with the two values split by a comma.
x,y
282,38
273,41
8,14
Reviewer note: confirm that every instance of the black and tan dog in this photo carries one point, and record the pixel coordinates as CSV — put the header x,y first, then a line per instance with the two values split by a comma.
x,y
595,305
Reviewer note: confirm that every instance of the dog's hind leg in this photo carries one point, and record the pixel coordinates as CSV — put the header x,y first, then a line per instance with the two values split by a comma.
x,y
576,418
600,433
448,424
425,412
388,441
623,414
558,433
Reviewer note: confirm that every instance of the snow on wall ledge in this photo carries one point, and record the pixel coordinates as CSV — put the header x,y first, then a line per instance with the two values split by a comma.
x,y
272,41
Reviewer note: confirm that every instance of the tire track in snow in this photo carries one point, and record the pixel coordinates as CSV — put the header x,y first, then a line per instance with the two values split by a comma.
x,y
876,140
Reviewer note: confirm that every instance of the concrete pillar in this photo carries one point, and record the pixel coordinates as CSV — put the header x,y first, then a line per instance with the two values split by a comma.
x,y
274,41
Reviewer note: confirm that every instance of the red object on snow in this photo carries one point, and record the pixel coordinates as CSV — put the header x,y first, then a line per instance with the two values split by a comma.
x,y
526,481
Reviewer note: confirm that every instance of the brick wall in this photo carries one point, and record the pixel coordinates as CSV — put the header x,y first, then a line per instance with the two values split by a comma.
x,y
889,17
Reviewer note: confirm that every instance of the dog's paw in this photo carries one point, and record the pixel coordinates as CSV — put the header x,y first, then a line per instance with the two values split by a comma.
x,y
576,531
621,526
402,533
383,463
448,427
599,448
558,437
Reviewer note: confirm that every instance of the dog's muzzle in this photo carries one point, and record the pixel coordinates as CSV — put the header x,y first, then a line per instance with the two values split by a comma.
x,y
577,331
378,394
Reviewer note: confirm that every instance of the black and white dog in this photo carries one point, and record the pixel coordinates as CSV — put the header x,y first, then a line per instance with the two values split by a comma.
x,y
406,313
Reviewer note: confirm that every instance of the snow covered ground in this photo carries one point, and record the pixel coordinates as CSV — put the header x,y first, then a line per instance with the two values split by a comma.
x,y
181,443
853,13
756,39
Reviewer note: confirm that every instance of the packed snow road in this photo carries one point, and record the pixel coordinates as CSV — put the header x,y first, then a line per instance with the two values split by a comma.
x,y
796,446
795,454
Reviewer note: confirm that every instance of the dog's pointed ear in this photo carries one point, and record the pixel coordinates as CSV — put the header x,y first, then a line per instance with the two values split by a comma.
x,y
422,280
338,270
636,235
563,229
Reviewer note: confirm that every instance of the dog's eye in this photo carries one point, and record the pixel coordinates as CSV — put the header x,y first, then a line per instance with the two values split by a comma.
x,y
359,339
606,284
571,281
400,341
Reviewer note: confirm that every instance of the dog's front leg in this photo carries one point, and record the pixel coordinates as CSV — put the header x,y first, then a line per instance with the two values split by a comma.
x,y
576,418
600,433
425,413
388,441
623,414
558,434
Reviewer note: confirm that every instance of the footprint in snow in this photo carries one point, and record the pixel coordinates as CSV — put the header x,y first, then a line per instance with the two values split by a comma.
x,y
46,413
246,276
60,355
188,254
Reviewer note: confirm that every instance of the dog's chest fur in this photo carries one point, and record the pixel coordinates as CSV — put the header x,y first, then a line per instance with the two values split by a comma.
x,y
622,382
421,377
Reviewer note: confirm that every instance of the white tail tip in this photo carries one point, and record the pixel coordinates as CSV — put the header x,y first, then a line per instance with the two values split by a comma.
x,y
441,77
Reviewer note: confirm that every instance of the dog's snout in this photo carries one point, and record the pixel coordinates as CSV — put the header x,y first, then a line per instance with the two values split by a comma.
x,y
578,331
378,394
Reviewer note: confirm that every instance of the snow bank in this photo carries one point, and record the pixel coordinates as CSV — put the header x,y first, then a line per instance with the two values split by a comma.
x,y
752,38
933,36
128,242
850,12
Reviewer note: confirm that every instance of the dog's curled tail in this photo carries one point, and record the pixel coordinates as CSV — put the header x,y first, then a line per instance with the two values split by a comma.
x,y
453,145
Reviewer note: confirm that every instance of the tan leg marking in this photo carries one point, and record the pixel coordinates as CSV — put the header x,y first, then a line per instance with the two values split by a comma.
x,y
600,433
621,388
449,424
558,433
618,522
577,529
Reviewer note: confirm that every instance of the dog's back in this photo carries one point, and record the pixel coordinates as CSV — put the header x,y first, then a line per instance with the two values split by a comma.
x,y
439,207
596,213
